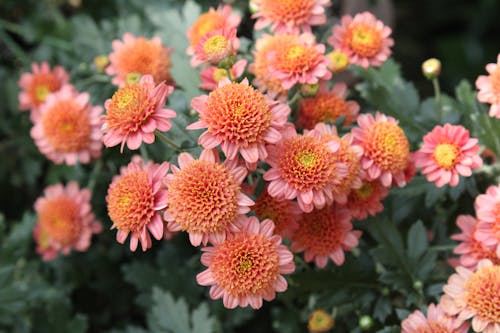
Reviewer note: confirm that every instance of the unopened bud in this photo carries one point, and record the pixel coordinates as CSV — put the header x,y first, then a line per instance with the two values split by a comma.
x,y
339,61
227,62
309,90
365,322
431,68
320,321
253,7
101,62
133,77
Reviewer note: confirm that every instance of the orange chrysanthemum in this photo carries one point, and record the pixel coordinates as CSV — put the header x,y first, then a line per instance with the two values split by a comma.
x,y
287,16
204,197
476,295
367,199
327,106
139,55
323,234
284,213
386,148
67,128
436,321
65,221
246,268
215,47
135,199
240,119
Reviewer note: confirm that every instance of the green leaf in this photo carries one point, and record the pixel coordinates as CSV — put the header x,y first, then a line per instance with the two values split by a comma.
x,y
417,240
202,322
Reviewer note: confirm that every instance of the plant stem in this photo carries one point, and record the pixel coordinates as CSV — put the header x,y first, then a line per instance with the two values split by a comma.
x,y
94,175
229,75
169,142
437,95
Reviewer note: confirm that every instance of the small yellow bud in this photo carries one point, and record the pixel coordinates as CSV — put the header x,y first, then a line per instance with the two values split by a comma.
x,y
253,7
320,321
309,90
431,68
101,62
339,61
133,77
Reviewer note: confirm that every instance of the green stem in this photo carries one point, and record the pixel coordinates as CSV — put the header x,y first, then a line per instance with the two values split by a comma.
x,y
442,247
229,75
437,95
169,142
94,175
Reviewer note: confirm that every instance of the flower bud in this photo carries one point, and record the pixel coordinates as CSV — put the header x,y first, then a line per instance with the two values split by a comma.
x,y
320,321
339,61
365,322
431,68
101,62
133,77
309,90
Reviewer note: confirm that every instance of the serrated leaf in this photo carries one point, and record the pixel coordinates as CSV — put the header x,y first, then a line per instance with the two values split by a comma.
x,y
417,240
168,315
383,309
402,313
201,320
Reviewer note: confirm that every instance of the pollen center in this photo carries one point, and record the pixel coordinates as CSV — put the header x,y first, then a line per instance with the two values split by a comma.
x,y
307,159
446,155
365,191
365,40
129,108
43,84
59,218
483,293
41,92
216,45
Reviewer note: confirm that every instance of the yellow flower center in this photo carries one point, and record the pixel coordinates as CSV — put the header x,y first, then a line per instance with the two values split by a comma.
x,y
216,46
245,263
446,155
482,293
295,52
307,159
365,40
365,191
42,92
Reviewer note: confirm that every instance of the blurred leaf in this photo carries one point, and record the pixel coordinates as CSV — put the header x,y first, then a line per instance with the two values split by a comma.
x,y
417,240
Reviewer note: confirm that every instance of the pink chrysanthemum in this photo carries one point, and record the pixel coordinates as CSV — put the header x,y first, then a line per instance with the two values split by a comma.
x,y
386,148
135,199
135,111
448,152
488,215
327,106
67,128
138,55
284,213
323,234
204,197
366,200
489,88
40,83
211,21
240,119
211,76
246,268
437,321
476,295
363,38
215,46
471,251
301,60
303,167
65,221
287,16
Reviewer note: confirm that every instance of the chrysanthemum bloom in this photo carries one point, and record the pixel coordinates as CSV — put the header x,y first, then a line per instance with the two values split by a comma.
x,y
292,17
135,199
301,61
67,128
40,83
65,220
284,213
139,55
325,233
348,154
211,21
211,76
320,321
240,119
386,148
436,321
327,106
135,111
363,38
489,88
246,268
265,45
339,61
488,215
215,46
303,167
366,200
448,152
204,197
471,251
476,295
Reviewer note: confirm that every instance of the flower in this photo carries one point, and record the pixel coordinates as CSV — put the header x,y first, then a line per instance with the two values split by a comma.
x,y
386,148
211,21
67,128
300,60
284,213
303,167
325,233
292,17
327,106
476,295
240,119
135,199
139,55
36,86
247,267
320,321
488,213
204,197
366,200
211,76
215,46
489,88
471,250
437,321
65,220
363,38
448,152
135,111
